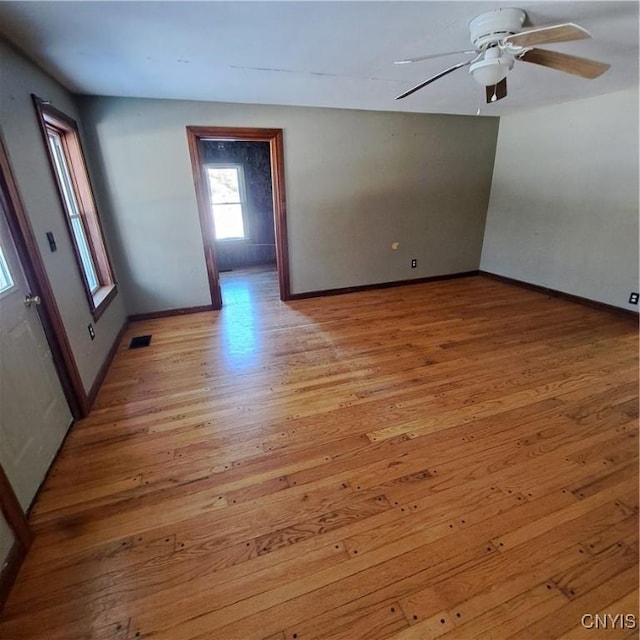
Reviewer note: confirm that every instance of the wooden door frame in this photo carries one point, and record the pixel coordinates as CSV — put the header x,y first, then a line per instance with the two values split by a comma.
x,y
241,134
37,279
12,511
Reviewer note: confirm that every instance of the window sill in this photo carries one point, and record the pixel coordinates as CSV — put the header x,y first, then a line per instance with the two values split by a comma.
x,y
101,299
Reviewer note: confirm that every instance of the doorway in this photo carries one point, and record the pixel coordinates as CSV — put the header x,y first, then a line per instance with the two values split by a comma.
x,y
242,240
35,415
28,255
37,405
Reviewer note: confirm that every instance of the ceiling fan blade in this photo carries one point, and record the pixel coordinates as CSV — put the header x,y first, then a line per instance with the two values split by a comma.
x,y
433,55
582,67
434,78
547,35
495,92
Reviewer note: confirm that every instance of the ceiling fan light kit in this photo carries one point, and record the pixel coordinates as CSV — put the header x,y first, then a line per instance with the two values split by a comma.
x,y
499,42
491,68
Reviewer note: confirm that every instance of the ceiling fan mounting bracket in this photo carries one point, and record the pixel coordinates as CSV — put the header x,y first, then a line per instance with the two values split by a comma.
x,y
488,29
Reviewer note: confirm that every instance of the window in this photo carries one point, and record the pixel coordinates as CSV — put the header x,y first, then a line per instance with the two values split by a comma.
x,y
226,190
6,281
68,166
73,210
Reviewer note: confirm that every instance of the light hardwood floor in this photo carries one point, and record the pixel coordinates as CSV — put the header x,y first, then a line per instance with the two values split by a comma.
x,y
456,459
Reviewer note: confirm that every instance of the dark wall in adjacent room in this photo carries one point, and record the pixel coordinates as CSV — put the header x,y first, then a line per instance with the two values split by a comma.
x,y
259,247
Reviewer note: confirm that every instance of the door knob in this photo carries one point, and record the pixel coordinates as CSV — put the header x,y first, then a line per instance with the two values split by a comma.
x,y
29,300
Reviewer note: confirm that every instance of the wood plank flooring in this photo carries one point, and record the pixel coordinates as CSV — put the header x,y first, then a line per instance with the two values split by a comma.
x,y
453,460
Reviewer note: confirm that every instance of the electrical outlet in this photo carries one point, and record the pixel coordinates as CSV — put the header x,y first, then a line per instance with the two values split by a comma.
x,y
633,298
92,332
414,263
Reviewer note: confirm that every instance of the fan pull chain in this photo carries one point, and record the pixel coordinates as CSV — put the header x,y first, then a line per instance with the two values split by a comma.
x,y
494,97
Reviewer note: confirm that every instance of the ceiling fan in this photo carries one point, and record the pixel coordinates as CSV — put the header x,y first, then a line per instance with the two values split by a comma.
x,y
498,42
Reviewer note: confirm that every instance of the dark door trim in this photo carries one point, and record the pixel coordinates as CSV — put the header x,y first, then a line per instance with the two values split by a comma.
x,y
12,511
34,269
275,139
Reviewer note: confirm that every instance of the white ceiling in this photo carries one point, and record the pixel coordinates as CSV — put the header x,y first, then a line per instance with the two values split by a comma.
x,y
328,54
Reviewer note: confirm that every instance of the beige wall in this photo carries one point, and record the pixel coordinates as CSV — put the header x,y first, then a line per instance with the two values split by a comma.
x,y
18,80
563,211
356,182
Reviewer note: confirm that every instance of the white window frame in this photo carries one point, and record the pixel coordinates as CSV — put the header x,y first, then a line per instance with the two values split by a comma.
x,y
73,209
242,193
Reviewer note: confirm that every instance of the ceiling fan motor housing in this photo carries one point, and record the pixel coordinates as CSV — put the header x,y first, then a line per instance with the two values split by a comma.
x,y
489,28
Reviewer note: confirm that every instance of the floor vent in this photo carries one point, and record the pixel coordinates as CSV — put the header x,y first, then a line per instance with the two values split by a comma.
x,y
140,341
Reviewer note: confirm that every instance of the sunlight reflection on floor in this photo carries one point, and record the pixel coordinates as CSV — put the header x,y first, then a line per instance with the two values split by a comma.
x,y
239,318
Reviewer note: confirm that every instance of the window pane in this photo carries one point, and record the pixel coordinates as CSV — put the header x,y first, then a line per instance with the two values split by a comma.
x,y
85,254
73,211
228,221
6,281
224,185
64,176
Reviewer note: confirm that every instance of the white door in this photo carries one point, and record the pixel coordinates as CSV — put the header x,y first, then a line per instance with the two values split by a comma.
x,y
34,414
